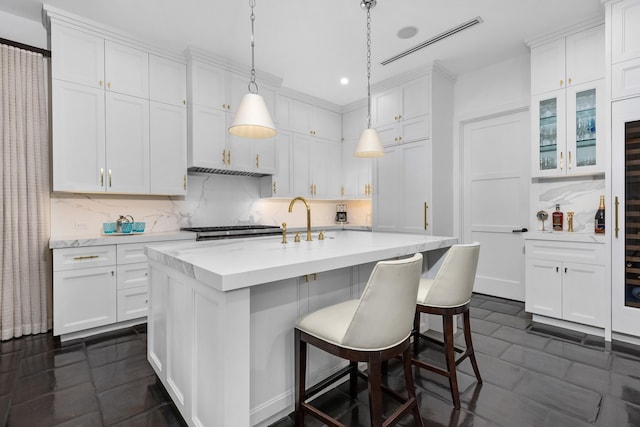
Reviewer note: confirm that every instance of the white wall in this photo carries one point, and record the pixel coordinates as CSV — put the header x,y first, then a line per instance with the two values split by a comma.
x,y
22,30
497,88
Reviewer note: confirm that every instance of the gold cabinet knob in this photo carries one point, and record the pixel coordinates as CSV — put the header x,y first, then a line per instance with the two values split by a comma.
x,y
274,187
108,85
561,82
100,83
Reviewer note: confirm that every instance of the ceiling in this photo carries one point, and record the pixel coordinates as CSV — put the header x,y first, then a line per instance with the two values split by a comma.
x,y
313,44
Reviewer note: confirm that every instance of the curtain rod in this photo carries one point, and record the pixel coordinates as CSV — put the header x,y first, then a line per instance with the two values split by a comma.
x,y
43,52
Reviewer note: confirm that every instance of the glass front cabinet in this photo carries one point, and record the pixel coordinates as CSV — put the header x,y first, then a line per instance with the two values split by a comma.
x,y
567,131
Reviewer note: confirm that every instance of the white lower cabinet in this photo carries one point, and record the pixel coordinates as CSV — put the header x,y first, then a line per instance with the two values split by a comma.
x,y
99,287
565,280
84,288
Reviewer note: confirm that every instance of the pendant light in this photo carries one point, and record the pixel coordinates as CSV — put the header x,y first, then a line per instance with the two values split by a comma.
x,y
252,119
369,144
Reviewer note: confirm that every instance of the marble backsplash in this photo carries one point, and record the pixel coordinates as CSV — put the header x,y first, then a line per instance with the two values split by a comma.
x,y
578,195
211,200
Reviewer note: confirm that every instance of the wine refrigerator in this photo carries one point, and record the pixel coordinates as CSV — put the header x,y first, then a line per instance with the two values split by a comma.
x,y
625,224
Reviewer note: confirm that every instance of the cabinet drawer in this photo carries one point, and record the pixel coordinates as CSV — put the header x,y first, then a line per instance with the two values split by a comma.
x,y
585,253
133,303
85,257
133,275
131,253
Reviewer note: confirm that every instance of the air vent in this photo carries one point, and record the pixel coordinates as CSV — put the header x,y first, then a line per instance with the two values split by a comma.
x,y
224,172
435,39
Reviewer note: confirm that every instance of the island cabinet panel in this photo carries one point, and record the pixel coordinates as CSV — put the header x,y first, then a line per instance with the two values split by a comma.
x,y
221,334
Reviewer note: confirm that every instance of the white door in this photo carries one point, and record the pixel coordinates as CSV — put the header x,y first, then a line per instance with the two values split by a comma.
x,y
495,200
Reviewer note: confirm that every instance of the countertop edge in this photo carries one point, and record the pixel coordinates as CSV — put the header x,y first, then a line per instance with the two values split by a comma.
x,y
100,240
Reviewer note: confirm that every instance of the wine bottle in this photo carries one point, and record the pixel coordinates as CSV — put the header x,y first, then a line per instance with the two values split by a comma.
x,y
599,219
557,219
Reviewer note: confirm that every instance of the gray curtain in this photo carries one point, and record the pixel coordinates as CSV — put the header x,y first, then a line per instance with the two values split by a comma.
x,y
25,260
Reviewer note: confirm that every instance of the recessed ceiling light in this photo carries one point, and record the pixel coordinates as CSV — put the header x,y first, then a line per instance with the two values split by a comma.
x,y
407,32
344,81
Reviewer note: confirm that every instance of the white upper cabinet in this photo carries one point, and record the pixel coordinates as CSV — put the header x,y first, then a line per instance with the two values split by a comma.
x,y
167,81
571,60
78,58
78,137
214,95
625,49
404,102
625,34
102,133
568,105
401,114
319,122
127,144
168,148
126,70
356,172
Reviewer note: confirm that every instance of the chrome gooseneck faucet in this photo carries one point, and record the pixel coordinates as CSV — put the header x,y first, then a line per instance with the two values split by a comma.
x,y
308,214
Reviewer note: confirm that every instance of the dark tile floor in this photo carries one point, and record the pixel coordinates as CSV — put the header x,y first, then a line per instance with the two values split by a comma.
x,y
533,376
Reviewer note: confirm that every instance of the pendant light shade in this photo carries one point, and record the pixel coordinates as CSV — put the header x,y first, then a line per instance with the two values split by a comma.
x,y
252,119
369,144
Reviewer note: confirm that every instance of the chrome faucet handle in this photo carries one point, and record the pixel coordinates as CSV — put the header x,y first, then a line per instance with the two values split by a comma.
x,y
284,232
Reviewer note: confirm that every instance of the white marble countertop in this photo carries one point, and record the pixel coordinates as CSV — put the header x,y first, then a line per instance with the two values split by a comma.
x,y
238,263
106,239
563,236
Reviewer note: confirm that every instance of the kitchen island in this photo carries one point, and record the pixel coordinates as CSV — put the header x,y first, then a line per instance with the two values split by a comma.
x,y
221,315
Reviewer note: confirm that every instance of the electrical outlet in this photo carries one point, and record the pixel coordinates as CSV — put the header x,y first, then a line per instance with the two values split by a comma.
x,y
80,226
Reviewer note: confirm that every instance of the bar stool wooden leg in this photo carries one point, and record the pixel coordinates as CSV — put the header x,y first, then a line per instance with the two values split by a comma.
x,y
450,354
353,380
375,389
411,388
469,344
416,332
300,373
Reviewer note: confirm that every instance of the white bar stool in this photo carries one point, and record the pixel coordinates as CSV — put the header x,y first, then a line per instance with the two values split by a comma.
x,y
373,329
448,295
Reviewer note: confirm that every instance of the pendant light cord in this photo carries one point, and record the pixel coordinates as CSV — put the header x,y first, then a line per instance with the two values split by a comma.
x,y
368,6
253,86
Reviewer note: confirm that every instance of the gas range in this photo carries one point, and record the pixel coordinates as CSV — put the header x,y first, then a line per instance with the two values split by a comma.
x,y
233,231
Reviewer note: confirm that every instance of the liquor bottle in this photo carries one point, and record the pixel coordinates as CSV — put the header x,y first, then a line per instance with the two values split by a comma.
x,y
599,219
557,218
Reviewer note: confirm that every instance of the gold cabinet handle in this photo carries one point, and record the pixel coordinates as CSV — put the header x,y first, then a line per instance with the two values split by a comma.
x,y
342,191
185,181
274,187
229,157
315,190
569,80
101,177
224,156
426,224
561,161
617,228
78,258
109,177
257,161
311,189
